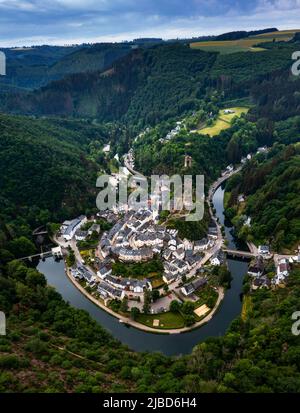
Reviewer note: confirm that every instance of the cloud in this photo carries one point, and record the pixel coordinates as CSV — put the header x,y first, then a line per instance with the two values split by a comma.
x,y
23,22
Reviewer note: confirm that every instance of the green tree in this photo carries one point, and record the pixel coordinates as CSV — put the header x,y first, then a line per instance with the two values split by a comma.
x,y
134,313
175,306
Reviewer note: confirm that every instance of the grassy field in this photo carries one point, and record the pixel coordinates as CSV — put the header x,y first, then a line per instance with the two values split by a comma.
x,y
247,307
244,45
166,320
157,282
223,122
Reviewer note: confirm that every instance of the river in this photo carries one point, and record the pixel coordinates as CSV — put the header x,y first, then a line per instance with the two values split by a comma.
x,y
138,340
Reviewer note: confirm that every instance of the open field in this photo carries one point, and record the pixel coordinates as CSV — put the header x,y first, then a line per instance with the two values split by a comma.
x,y
223,122
244,45
167,320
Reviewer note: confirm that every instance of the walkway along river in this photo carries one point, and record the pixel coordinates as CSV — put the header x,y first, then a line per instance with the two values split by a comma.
x,y
139,340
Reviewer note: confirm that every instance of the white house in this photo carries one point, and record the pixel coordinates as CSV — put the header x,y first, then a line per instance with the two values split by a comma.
x,y
179,253
103,272
73,226
217,259
80,235
283,268
263,250
201,245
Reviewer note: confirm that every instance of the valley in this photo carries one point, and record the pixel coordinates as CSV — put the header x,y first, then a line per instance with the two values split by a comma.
x,y
144,300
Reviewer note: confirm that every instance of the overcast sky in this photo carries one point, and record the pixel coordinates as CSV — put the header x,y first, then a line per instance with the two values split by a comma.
x,y
27,22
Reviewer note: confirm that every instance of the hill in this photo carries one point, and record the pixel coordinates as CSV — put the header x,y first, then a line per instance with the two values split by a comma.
x,y
35,67
243,41
151,85
272,192
242,34
46,172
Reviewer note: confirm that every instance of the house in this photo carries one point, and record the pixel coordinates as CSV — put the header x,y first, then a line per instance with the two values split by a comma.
x,y
180,265
73,226
195,285
247,221
167,254
187,289
241,198
229,168
188,245
193,259
57,252
80,235
106,148
169,277
179,253
103,272
86,274
263,250
257,268
218,258
212,230
129,255
201,245
106,290
261,282
283,268
94,228
229,112
76,274
263,149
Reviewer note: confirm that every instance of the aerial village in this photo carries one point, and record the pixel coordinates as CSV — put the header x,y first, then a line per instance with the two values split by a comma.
x,y
108,251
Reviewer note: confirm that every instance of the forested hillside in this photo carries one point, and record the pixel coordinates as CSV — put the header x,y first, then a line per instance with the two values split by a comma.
x,y
51,347
272,189
31,68
155,84
48,172
147,86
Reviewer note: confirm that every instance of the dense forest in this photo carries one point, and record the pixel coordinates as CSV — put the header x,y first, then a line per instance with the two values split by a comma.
x,y
147,86
48,173
52,347
272,188
31,68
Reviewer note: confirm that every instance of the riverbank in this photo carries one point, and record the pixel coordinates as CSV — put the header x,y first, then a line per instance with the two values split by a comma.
x,y
143,327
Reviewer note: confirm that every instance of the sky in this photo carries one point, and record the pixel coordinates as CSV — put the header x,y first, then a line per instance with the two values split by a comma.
x,y
28,22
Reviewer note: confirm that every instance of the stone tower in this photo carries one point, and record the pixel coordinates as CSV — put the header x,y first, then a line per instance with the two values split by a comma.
x,y
188,161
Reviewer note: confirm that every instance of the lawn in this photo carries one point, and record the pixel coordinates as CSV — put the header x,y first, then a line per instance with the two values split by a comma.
x,y
243,45
167,320
226,198
223,122
149,269
157,282
206,296
247,307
